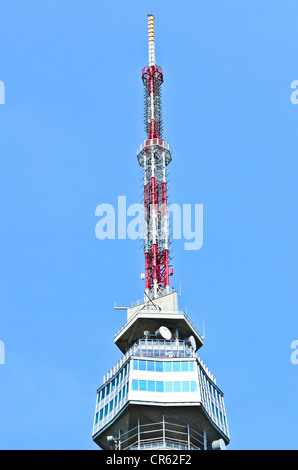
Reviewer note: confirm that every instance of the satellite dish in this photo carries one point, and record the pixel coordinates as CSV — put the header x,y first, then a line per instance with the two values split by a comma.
x,y
218,445
163,332
190,341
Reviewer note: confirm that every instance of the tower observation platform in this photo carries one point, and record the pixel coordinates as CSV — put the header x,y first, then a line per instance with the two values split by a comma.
x,y
159,395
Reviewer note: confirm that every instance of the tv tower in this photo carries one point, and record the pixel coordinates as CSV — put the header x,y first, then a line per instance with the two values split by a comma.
x,y
160,394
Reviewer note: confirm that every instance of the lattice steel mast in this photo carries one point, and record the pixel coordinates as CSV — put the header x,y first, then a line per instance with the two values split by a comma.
x,y
154,155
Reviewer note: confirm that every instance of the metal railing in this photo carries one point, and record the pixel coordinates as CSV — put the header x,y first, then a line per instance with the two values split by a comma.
x,y
161,435
153,349
145,300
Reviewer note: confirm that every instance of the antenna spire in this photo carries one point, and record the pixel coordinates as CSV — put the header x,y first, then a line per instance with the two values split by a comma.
x,y
151,39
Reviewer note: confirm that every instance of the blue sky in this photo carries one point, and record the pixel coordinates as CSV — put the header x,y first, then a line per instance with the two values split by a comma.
x,y
70,126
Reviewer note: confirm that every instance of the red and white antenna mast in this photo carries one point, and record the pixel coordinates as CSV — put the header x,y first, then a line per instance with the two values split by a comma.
x,y
154,155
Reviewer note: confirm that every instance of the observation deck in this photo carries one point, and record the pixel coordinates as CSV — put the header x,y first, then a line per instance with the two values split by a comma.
x,y
151,316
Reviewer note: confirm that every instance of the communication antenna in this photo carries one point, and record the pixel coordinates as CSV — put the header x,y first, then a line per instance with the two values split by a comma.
x,y
203,337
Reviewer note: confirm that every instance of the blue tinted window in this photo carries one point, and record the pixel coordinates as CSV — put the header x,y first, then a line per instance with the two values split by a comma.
x,y
103,393
159,386
150,366
96,418
191,366
98,397
113,385
135,365
184,366
185,386
135,384
142,385
151,386
142,365
108,389
106,410
168,366
168,387
176,366
177,386
111,405
101,414
193,386
159,366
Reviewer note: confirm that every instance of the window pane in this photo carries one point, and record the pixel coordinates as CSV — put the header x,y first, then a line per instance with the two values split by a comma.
x,y
159,366
108,389
184,366
106,410
103,393
96,418
101,414
159,386
142,365
191,366
135,364
111,405
193,386
185,386
113,385
168,366
135,385
168,387
142,385
176,366
177,386
151,386
150,366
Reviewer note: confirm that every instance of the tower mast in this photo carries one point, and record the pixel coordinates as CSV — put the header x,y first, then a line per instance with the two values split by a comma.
x,y
154,155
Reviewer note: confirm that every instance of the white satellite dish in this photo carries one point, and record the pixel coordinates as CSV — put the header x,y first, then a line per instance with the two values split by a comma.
x,y
163,332
191,342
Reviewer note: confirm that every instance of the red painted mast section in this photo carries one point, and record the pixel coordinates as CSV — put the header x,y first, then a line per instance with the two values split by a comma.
x,y
154,158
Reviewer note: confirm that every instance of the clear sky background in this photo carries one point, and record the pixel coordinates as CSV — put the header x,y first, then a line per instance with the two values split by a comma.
x,y
69,129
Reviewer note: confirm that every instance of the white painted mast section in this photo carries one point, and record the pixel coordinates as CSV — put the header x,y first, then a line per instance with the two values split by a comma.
x,y
151,40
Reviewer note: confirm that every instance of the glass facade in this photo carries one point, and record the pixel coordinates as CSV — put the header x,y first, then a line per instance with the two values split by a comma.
x,y
160,386
167,359
163,366
212,400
